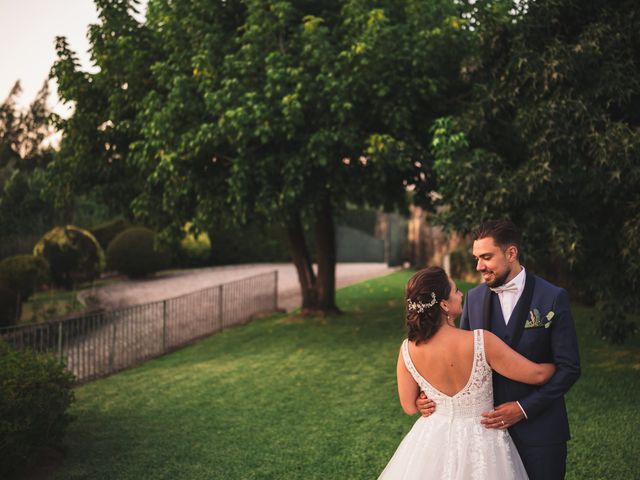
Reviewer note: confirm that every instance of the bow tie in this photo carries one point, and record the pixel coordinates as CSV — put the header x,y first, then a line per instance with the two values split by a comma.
x,y
510,287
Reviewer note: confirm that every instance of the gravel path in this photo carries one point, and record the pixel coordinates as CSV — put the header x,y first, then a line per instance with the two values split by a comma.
x,y
173,284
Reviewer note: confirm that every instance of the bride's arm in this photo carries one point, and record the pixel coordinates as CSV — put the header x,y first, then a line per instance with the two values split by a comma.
x,y
408,390
509,363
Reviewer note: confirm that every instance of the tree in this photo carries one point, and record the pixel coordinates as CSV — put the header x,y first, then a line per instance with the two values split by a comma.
x,y
276,111
550,138
9,131
24,155
94,153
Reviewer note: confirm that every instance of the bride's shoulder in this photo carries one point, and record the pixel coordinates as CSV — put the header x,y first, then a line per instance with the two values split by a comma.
x,y
490,340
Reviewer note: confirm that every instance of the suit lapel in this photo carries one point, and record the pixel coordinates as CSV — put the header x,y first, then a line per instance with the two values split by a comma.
x,y
521,310
486,310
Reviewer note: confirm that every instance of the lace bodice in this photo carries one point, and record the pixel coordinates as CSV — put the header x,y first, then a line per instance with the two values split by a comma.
x,y
477,395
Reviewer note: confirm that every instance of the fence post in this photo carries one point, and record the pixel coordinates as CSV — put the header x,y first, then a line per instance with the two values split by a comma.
x,y
60,341
220,306
113,346
275,291
164,325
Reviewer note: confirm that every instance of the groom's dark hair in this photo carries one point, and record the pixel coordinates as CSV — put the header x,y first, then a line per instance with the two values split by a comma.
x,y
504,233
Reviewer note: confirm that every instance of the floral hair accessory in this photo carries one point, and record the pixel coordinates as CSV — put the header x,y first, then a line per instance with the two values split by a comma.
x,y
420,306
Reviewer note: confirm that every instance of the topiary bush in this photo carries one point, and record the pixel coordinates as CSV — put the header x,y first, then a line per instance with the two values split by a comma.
x,y
133,253
74,255
24,274
106,232
35,393
9,307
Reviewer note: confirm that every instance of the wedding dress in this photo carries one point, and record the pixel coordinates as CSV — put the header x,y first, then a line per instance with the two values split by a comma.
x,y
451,443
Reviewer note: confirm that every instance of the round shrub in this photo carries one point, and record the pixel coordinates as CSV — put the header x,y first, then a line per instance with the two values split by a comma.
x,y
74,255
24,274
35,393
194,250
133,253
106,232
10,307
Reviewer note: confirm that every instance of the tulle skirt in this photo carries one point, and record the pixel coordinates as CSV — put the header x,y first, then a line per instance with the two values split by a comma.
x,y
442,447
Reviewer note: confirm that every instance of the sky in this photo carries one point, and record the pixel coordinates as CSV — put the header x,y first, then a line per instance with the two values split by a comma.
x,y
28,29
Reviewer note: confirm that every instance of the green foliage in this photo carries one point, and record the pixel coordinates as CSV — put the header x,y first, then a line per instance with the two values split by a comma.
x,y
74,255
35,393
94,152
550,138
89,210
251,243
10,307
195,248
24,274
25,206
255,110
51,305
106,232
134,253
461,262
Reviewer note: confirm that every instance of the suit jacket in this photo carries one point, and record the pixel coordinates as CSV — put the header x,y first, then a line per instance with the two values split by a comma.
x,y
547,421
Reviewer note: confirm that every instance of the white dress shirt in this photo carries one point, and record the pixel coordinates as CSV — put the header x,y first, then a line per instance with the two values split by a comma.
x,y
509,294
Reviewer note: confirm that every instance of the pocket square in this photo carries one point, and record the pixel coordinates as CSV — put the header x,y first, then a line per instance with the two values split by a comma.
x,y
536,320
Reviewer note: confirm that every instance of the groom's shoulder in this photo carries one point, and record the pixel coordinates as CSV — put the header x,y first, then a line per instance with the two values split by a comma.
x,y
477,290
546,285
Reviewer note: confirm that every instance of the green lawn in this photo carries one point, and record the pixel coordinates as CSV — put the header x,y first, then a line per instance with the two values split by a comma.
x,y
289,398
45,306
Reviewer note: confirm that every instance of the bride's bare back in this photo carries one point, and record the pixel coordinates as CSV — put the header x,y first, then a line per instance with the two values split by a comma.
x,y
445,360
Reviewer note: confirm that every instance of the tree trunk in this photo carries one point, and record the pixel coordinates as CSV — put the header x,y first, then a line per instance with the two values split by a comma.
x,y
302,261
326,255
318,292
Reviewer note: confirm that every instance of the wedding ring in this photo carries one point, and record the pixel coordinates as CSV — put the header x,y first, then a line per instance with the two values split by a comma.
x,y
502,422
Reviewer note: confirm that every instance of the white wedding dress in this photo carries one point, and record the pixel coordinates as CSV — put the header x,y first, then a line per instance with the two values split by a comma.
x,y
451,443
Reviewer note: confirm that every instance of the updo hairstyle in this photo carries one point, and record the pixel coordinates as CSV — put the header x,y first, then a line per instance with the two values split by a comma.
x,y
422,325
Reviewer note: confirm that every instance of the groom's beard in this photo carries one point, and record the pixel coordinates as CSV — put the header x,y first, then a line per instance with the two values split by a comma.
x,y
500,280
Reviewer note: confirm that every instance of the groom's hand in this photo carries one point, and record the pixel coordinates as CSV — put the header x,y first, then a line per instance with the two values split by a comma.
x,y
425,405
503,416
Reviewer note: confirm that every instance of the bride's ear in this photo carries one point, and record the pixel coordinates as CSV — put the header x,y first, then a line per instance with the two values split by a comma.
x,y
444,307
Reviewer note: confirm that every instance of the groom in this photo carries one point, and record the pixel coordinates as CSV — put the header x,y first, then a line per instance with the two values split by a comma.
x,y
533,317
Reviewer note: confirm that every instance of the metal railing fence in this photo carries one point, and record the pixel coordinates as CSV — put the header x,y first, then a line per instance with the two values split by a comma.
x,y
99,344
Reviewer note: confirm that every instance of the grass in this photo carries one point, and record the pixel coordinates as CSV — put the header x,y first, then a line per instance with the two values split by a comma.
x,y
44,306
315,398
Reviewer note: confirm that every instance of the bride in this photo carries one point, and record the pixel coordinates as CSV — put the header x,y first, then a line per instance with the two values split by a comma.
x,y
453,368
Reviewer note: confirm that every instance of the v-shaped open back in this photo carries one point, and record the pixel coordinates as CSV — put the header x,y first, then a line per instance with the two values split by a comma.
x,y
477,394
466,385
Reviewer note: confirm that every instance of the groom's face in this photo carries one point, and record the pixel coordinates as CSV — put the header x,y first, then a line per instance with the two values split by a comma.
x,y
494,263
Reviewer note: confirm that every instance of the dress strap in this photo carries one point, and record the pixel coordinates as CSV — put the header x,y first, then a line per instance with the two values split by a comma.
x,y
410,366
478,345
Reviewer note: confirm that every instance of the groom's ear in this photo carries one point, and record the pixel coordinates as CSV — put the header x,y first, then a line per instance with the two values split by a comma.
x,y
512,253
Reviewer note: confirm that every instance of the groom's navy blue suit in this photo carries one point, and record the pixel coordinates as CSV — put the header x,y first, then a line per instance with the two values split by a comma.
x,y
541,438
